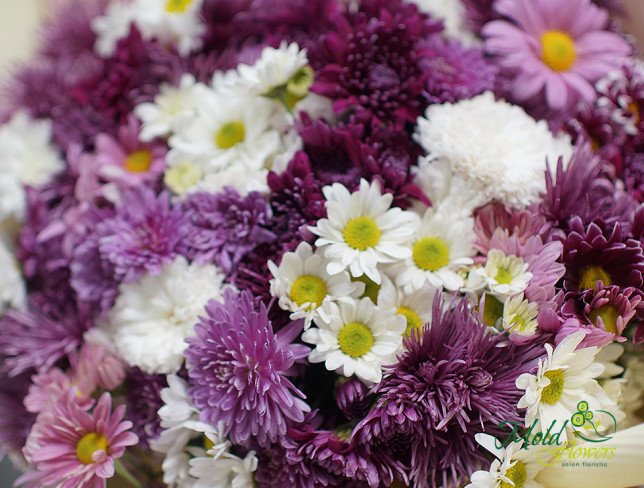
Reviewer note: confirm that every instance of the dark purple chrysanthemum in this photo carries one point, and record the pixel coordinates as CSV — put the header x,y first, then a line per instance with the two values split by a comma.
x,y
140,236
238,367
454,72
143,403
452,381
633,174
15,421
352,397
223,227
38,338
592,255
603,313
374,60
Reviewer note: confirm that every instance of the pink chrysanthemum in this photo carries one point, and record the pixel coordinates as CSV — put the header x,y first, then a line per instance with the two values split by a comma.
x,y
72,447
555,48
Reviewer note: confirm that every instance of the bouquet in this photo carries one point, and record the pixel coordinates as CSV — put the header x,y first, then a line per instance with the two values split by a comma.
x,y
324,243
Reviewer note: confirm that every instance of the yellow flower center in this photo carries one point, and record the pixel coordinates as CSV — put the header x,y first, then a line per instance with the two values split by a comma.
x,y
371,288
355,339
139,161
558,50
308,289
518,474
492,311
298,86
207,443
552,393
431,253
635,110
182,177
177,6
361,233
609,316
414,322
592,274
503,276
230,134
88,445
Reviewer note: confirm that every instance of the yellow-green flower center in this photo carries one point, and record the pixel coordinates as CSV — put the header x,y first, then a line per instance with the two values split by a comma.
x,y
207,443
355,339
430,253
139,161
361,233
230,134
492,311
177,6
88,445
503,276
551,394
518,474
414,322
558,50
609,316
591,274
182,177
371,288
309,289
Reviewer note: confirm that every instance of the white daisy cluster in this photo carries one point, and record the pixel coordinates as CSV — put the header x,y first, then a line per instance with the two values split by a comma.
x,y
452,13
186,465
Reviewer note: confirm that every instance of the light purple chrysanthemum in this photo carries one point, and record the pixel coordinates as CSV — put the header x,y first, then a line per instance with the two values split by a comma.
x,y
15,420
238,367
451,382
222,227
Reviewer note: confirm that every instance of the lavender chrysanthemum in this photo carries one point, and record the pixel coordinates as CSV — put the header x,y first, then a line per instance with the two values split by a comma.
x,y
223,227
451,382
238,367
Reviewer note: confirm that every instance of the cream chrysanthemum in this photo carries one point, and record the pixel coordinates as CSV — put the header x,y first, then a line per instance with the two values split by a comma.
x,y
492,149
173,106
27,158
515,465
12,285
440,247
302,284
453,14
505,275
221,469
416,307
152,317
356,338
520,316
362,231
564,378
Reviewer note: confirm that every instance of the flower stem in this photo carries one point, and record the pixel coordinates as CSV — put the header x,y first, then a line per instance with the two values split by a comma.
x,y
122,471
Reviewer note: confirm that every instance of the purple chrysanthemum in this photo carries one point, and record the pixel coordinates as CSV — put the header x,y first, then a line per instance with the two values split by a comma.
x,y
374,59
238,367
591,255
15,420
633,175
451,382
352,397
143,403
454,72
223,227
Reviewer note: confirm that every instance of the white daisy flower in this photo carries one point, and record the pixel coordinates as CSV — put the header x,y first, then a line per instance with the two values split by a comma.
x,y
513,466
13,290
520,316
170,109
222,469
302,283
362,230
152,317
416,307
27,158
493,149
505,275
441,245
355,338
563,380
452,12
112,26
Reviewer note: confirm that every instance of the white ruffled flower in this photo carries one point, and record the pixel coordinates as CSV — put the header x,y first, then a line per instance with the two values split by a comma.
x,y
505,275
520,316
175,22
221,469
416,307
362,231
514,465
453,14
440,247
493,149
302,283
152,317
563,380
172,107
356,338
27,158
12,286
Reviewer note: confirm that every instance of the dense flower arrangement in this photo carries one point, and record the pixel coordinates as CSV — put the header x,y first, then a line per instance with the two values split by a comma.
x,y
318,243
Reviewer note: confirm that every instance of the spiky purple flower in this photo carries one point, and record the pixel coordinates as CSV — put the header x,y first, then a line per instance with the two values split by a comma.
x,y
238,370
352,397
223,227
143,403
451,382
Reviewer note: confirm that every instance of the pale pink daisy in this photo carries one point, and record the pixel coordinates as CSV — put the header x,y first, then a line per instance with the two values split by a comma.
x,y
70,447
555,48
